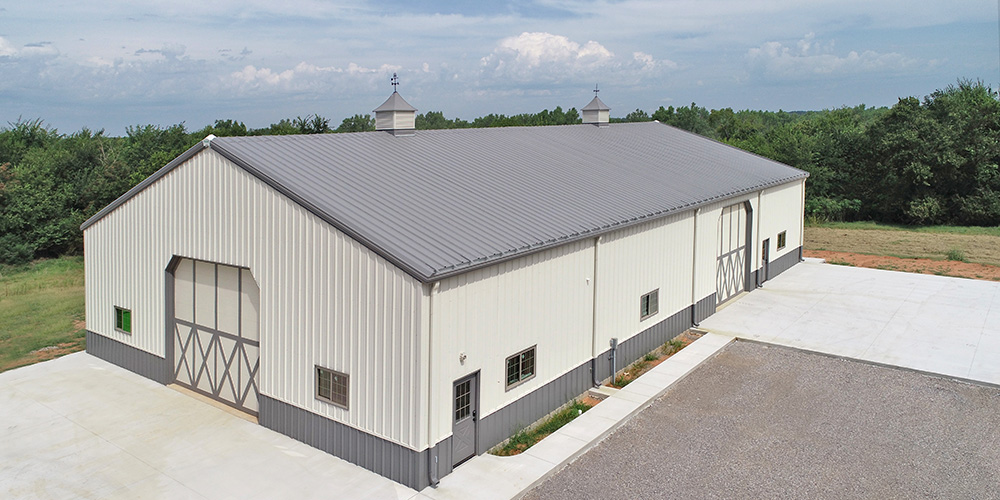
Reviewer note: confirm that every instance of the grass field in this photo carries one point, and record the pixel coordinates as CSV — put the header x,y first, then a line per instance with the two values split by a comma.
x,y
41,311
972,244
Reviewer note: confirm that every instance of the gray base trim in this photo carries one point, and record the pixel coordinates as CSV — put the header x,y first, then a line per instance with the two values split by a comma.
x,y
134,360
778,266
501,424
785,262
394,461
704,308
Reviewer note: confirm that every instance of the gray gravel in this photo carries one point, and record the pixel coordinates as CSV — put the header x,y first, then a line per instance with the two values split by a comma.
x,y
760,421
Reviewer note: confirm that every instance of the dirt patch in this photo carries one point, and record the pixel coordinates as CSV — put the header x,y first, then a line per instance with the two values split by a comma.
x,y
636,369
923,266
978,248
47,353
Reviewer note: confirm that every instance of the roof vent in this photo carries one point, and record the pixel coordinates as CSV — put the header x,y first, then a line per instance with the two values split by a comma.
x,y
395,115
596,113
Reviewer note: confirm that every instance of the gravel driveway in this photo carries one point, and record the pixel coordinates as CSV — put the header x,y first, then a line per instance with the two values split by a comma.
x,y
761,421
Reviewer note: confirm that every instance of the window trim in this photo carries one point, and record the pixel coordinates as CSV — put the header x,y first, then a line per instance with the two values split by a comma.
x,y
320,371
782,239
521,378
650,311
123,318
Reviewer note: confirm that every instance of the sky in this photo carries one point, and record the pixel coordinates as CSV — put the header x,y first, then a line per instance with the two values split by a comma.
x,y
112,64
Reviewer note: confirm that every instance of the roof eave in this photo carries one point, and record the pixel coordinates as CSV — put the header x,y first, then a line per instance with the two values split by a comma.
x,y
121,200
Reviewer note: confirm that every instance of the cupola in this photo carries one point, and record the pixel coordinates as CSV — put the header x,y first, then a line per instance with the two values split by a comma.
x,y
596,113
395,115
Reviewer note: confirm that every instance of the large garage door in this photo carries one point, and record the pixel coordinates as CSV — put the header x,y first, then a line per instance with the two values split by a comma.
x,y
216,336
732,256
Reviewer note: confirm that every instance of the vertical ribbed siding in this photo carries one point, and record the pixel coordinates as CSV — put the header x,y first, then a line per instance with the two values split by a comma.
x,y
636,261
708,242
541,300
325,299
781,210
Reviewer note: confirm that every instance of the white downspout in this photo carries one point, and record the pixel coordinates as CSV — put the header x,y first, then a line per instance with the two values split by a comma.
x,y
432,457
593,318
694,271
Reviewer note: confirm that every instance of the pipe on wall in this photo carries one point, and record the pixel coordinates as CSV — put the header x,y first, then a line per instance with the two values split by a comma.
x,y
432,457
593,319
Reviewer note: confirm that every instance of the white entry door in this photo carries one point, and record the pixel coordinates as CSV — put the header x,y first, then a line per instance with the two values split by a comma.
x,y
215,332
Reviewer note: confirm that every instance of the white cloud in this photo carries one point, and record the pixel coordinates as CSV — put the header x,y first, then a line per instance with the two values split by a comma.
x,y
306,76
809,57
36,50
546,57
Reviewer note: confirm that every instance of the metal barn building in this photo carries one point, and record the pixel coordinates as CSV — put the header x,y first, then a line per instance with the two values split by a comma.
x,y
407,299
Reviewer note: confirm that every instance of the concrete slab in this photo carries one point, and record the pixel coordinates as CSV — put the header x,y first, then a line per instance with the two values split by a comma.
x,y
936,324
135,438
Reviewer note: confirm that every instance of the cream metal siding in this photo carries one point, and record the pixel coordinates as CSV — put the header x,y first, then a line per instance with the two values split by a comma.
x,y
781,210
325,299
706,261
544,300
638,260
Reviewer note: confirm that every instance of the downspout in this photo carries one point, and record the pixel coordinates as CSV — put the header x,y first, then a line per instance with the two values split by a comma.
x,y
694,271
593,320
432,457
802,222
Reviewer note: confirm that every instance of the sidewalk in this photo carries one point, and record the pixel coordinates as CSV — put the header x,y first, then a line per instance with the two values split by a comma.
x,y
492,477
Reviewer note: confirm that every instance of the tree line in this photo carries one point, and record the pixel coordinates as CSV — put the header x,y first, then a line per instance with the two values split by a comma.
x,y
929,161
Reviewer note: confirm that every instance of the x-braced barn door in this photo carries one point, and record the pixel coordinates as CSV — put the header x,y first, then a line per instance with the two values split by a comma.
x,y
732,254
215,332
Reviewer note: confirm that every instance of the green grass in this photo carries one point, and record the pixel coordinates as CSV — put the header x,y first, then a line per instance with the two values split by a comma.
x,y
989,231
524,439
41,305
956,255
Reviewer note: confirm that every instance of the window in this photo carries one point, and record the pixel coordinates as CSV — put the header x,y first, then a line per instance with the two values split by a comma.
x,y
463,400
649,304
520,367
123,320
332,386
781,240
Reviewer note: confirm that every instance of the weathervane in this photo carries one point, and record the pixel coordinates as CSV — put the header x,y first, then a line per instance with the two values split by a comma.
x,y
595,90
395,81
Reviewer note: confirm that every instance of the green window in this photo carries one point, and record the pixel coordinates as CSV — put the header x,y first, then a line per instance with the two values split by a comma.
x,y
520,367
649,304
123,320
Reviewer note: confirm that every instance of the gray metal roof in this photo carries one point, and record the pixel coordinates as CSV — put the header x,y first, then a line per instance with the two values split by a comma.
x,y
395,102
442,202
596,104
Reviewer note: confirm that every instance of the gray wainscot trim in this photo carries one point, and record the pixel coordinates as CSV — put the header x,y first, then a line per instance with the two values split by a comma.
x,y
501,424
704,308
130,358
383,457
780,265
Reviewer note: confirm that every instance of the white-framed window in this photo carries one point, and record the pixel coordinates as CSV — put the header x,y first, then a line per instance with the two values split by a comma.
x,y
649,304
332,386
781,240
520,367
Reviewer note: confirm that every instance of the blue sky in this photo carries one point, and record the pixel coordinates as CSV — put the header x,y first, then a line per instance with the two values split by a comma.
x,y
113,63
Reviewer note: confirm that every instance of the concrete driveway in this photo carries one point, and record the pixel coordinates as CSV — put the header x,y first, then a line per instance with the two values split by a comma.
x,y
79,427
937,324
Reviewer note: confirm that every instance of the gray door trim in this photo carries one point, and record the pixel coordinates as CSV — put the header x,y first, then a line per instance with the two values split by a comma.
x,y
472,420
238,354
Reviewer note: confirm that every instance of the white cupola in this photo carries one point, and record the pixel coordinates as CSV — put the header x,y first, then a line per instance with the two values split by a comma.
x,y
395,115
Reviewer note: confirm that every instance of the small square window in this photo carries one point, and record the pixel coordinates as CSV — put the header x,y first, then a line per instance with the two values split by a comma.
x,y
781,240
649,304
123,320
520,367
332,386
